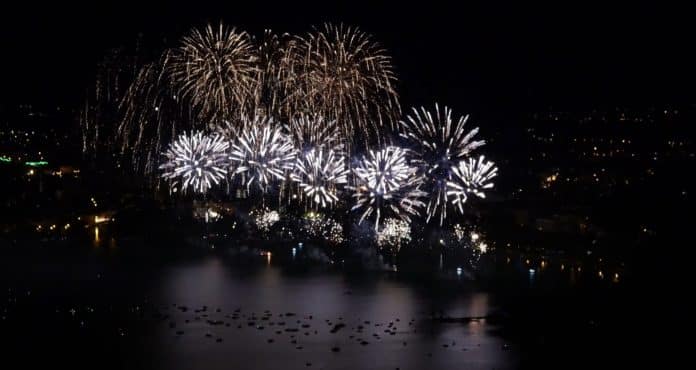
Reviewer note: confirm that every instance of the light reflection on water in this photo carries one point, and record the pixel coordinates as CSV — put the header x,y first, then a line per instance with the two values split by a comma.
x,y
217,284
116,278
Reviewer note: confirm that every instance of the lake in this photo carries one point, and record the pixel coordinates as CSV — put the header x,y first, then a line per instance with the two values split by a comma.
x,y
129,304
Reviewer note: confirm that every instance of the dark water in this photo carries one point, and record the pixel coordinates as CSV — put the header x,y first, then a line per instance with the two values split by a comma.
x,y
127,306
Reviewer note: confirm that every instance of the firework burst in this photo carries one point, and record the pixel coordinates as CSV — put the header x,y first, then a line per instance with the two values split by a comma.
x,y
394,234
261,153
386,183
264,218
309,132
472,176
347,77
439,144
195,161
215,70
319,173
317,225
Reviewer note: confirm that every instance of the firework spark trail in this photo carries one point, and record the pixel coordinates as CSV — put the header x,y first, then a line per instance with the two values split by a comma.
x,y
347,77
100,116
473,177
152,117
309,132
319,173
275,80
207,78
439,144
262,153
195,161
215,70
386,183
219,74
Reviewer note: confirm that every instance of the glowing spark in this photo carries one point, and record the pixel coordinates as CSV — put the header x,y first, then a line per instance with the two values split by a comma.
x,y
309,132
347,77
151,117
394,233
319,226
319,173
472,176
215,70
264,218
387,183
261,153
276,79
439,144
195,161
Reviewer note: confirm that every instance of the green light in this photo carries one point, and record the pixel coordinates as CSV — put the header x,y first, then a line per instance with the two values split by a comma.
x,y
5,159
36,163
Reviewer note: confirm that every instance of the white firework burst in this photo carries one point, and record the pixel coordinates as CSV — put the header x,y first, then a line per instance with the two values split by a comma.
x,y
472,176
195,161
439,144
319,173
386,183
261,153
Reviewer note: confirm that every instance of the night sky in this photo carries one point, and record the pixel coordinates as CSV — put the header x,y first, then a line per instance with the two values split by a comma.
x,y
478,58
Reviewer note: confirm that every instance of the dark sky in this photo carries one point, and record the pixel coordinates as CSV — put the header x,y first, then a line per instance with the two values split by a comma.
x,y
487,56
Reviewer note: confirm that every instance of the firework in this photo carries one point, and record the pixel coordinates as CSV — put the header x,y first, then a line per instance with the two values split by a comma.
x,y
261,153
195,161
99,116
394,233
313,131
152,117
264,218
439,143
345,76
387,183
335,82
275,79
319,226
472,176
203,81
214,70
319,172
460,232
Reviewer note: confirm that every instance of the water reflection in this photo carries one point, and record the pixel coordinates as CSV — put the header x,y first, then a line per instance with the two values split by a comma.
x,y
97,241
352,300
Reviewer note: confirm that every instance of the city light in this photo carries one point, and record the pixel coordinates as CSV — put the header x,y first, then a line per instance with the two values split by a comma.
x,y
101,219
36,163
